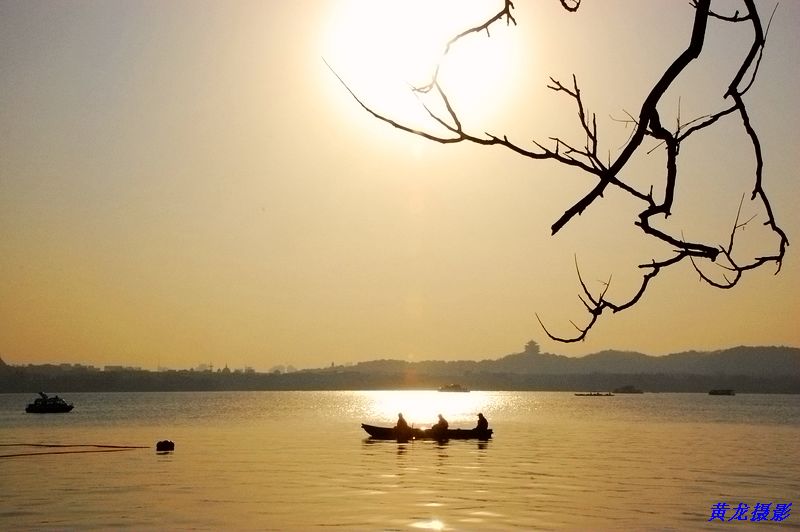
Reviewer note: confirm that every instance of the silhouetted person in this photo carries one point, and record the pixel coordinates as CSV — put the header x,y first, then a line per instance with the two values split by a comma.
x,y
483,423
440,425
401,423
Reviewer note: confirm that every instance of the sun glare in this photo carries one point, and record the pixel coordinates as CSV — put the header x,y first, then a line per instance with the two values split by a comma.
x,y
433,524
382,49
421,407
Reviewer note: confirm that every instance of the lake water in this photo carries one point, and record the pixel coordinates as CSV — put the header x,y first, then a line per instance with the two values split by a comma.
x,y
300,461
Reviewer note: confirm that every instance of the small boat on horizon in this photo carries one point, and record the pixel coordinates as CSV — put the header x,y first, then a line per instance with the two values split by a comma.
x,y
391,433
453,388
628,388
595,394
48,405
725,391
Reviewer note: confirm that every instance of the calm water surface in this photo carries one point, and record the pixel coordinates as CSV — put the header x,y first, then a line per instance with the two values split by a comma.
x,y
300,461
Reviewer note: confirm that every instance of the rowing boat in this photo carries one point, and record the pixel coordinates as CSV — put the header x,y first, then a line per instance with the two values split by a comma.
x,y
391,433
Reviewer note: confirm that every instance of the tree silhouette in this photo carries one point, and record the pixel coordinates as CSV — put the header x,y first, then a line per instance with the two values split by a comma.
x,y
647,125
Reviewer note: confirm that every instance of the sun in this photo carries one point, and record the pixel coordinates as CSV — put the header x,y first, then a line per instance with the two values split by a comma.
x,y
382,49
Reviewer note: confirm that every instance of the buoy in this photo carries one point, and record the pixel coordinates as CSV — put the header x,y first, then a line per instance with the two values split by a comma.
x,y
165,446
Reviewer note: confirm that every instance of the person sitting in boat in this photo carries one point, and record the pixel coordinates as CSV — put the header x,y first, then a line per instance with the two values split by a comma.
x,y
401,423
483,423
440,425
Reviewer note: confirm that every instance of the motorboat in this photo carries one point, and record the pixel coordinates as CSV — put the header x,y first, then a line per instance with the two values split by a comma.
x,y
453,388
48,405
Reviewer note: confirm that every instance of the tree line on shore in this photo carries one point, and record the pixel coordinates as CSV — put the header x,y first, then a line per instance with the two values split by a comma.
x,y
745,369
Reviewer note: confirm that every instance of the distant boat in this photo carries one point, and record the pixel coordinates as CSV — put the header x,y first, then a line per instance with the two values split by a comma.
x,y
453,388
48,405
627,389
595,394
391,433
722,392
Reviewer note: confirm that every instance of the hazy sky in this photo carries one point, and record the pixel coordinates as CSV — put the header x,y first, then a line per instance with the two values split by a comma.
x,y
186,182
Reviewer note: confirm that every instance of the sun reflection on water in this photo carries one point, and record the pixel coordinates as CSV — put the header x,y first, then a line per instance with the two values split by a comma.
x,y
420,407
433,524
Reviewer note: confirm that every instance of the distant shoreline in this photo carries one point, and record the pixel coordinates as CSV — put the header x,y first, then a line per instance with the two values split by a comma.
x,y
743,369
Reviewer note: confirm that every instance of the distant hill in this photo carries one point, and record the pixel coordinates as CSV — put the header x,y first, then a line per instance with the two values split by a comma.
x,y
745,369
753,361
759,362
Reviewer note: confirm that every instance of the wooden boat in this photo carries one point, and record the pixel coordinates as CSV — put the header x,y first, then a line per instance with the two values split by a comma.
x,y
390,433
48,405
722,392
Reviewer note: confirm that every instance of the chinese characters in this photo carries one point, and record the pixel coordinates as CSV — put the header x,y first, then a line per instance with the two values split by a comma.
x,y
760,512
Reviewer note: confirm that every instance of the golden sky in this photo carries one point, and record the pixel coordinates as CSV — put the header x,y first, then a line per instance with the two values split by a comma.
x,y
186,182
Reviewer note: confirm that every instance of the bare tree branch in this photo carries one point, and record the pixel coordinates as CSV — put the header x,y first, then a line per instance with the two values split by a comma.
x,y
647,113
508,6
647,124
